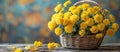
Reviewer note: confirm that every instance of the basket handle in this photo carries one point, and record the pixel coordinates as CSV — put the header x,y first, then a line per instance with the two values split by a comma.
x,y
86,1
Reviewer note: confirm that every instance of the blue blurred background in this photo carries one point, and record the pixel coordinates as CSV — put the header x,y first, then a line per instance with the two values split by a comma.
x,y
24,21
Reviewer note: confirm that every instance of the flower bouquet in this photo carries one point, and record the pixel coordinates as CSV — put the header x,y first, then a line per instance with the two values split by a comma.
x,y
83,25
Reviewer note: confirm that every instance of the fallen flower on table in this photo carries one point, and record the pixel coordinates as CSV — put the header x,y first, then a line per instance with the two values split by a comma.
x,y
52,45
38,43
18,50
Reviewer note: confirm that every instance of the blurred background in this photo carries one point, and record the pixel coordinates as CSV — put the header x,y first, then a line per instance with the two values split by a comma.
x,y
24,21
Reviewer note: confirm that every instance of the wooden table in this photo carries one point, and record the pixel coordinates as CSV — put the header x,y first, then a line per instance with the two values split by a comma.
x,y
103,48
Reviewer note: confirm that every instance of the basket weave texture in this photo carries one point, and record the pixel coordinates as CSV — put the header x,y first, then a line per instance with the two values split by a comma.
x,y
77,42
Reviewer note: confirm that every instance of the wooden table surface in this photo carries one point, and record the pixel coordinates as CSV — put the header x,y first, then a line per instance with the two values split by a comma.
x,y
103,48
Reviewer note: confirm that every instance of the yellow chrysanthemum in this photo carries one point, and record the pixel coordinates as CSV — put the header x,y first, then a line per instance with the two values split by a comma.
x,y
84,16
98,18
76,11
112,18
18,50
91,10
59,20
82,33
72,8
94,29
85,5
101,26
74,18
70,23
99,35
58,31
68,29
83,26
67,15
53,45
38,43
51,25
65,21
53,17
110,32
96,8
58,8
90,22
79,7
67,3
115,26
106,21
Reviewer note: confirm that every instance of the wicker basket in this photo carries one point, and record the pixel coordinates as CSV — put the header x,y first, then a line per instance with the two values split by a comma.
x,y
77,42
85,42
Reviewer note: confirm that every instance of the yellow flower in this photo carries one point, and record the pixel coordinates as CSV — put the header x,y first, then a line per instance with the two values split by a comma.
x,y
94,29
74,18
106,21
65,21
98,18
96,8
60,14
84,16
59,20
38,43
53,45
85,6
72,8
82,33
79,7
91,10
115,26
70,23
112,18
69,29
90,22
83,26
99,35
67,3
18,50
110,32
51,25
101,26
67,15
58,8
76,11
58,31
53,17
